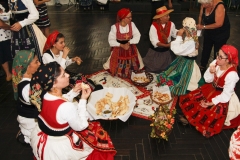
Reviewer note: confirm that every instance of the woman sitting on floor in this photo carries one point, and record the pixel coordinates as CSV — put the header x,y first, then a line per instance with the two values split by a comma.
x,y
123,38
63,130
183,73
56,50
215,104
25,64
159,57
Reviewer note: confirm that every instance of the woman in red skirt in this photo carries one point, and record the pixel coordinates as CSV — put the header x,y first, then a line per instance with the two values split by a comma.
x,y
207,107
123,38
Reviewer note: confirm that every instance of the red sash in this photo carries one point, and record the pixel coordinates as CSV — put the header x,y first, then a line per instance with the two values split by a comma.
x,y
163,33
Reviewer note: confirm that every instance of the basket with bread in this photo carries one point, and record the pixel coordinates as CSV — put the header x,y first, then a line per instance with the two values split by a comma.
x,y
141,78
111,103
161,95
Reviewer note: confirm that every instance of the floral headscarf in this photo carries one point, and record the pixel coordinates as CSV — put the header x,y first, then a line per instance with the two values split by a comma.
x,y
51,39
20,63
122,13
232,53
42,81
190,25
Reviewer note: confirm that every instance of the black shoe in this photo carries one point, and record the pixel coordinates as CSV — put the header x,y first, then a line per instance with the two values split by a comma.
x,y
20,137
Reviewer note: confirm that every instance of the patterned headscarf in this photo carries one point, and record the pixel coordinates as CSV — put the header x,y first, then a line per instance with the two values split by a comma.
x,y
122,13
232,53
20,63
190,25
51,39
42,81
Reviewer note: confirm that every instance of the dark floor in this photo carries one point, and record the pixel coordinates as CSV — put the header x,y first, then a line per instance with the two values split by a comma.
x,y
86,35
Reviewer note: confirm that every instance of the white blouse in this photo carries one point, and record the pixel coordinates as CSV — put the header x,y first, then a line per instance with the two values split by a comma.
x,y
47,58
112,37
228,89
183,48
75,115
33,13
154,36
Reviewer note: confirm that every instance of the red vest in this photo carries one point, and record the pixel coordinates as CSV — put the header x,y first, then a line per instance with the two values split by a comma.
x,y
123,36
220,81
49,113
163,33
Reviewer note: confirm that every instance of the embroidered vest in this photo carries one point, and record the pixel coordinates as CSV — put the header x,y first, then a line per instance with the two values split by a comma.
x,y
47,119
16,5
123,37
219,82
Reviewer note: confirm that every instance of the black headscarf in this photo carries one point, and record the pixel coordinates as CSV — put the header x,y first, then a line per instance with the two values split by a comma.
x,y
42,82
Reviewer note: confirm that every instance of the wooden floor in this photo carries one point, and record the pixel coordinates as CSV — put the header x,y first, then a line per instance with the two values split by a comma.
x,y
87,36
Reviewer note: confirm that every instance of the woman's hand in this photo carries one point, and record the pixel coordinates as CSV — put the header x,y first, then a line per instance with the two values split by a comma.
x,y
206,104
125,46
77,59
180,32
212,69
16,27
77,88
199,26
66,50
86,93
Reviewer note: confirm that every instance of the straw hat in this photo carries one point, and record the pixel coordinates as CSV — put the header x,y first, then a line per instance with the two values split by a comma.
x,y
162,11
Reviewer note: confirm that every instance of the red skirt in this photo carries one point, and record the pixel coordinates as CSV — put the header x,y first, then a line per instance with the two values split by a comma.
x,y
122,62
97,138
208,121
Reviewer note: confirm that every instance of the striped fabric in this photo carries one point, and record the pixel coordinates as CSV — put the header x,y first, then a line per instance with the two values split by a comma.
x,y
43,20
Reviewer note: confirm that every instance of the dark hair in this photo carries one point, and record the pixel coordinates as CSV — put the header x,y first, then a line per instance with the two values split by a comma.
x,y
57,71
60,35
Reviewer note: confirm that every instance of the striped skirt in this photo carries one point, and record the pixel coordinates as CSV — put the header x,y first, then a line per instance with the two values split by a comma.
x,y
43,20
177,75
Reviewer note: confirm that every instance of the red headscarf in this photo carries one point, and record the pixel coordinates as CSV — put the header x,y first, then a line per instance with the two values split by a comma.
x,y
232,53
122,13
51,39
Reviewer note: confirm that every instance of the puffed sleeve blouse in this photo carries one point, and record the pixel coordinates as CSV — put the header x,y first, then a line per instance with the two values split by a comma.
x,y
112,39
228,89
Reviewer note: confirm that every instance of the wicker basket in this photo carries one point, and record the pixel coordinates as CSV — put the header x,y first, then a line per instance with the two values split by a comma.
x,y
159,103
148,75
158,132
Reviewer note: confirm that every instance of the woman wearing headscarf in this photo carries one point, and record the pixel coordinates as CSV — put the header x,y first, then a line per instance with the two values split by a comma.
x,y
183,73
123,38
63,130
25,34
215,106
56,50
25,64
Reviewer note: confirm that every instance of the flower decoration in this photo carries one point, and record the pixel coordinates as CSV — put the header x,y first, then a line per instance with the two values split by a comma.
x,y
162,122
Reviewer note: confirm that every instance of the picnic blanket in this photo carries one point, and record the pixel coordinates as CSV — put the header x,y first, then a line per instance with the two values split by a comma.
x,y
145,106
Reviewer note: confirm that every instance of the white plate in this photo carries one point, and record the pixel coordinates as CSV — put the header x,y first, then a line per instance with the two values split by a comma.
x,y
117,93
